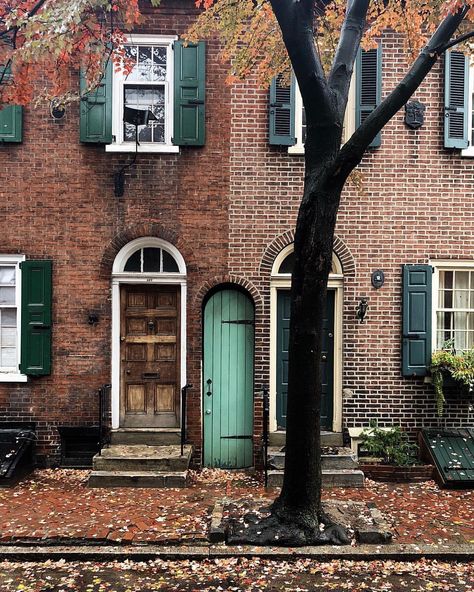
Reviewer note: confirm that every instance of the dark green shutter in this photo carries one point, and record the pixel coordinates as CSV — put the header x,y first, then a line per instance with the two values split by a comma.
x,y
36,317
11,117
96,110
417,281
282,112
456,100
368,86
189,94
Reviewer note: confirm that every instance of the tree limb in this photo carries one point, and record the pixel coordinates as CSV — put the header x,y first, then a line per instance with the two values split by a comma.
x,y
296,20
346,53
351,153
458,40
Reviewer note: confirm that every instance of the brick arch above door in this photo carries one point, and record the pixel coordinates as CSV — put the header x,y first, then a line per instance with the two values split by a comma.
x,y
287,238
141,230
229,279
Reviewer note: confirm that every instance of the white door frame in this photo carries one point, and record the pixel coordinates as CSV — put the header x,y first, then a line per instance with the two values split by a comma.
x,y
282,281
119,278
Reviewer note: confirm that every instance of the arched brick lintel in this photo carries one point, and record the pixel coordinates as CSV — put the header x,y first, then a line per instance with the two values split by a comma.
x,y
227,279
138,231
288,237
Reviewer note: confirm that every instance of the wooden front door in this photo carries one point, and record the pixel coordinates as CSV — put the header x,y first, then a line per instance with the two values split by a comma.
x,y
150,353
327,359
228,380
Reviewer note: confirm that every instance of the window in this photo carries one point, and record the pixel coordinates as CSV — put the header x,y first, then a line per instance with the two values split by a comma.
x,y
149,86
455,308
10,290
151,260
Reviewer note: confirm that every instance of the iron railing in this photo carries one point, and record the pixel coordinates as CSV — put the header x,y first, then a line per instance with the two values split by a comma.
x,y
104,415
266,420
184,395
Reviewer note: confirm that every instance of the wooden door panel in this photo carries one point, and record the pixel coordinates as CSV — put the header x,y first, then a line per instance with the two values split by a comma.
x,y
149,356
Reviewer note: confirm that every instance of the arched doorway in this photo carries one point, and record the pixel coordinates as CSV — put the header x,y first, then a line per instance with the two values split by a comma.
x,y
148,334
331,362
228,379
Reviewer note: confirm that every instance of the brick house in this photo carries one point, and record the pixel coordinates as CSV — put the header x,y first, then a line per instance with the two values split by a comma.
x,y
184,278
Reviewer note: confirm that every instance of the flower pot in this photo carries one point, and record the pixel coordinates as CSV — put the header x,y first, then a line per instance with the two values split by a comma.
x,y
396,474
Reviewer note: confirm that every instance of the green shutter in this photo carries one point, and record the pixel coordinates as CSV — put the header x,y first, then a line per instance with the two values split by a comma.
x,y
282,112
189,94
456,100
11,117
368,86
96,110
36,317
417,280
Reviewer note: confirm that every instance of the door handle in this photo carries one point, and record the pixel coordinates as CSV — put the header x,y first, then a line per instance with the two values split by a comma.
x,y
324,358
209,391
208,412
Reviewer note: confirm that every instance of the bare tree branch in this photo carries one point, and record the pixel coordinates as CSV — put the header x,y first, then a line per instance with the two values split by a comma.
x,y
349,41
351,153
458,40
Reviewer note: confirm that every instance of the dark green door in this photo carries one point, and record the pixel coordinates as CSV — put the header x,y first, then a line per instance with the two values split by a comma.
x,y
327,359
228,380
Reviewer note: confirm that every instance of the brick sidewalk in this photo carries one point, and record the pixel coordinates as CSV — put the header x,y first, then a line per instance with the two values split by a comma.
x,y
56,506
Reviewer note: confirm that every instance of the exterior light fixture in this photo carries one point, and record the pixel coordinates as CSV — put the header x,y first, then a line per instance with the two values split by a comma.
x,y
361,309
57,110
377,278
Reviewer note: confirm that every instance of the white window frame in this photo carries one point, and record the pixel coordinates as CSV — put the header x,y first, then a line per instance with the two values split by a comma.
x,y
469,151
443,265
13,374
119,145
349,119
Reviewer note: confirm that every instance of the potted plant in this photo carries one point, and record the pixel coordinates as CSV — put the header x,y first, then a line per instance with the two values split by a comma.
x,y
394,457
449,365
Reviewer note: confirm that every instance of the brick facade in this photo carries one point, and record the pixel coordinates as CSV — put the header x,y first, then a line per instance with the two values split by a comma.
x,y
229,207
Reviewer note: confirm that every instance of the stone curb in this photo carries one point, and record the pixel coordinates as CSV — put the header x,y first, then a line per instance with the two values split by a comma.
x,y
408,552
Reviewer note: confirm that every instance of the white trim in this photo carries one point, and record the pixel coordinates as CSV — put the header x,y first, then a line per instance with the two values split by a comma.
x,y
283,281
442,265
120,278
469,151
13,375
118,81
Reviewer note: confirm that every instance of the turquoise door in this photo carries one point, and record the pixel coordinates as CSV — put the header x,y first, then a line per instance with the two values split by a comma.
x,y
327,359
228,380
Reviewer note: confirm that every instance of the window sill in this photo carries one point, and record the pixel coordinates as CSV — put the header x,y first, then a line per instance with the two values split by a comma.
x,y
297,150
142,148
13,377
468,152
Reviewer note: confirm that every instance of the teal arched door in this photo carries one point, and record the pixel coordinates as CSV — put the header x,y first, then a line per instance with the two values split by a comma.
x,y
228,380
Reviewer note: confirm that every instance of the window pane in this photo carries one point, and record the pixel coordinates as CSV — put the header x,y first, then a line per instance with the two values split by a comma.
x,y
134,262
7,295
8,357
287,264
8,336
8,317
146,98
169,263
461,289
159,63
303,126
7,275
151,259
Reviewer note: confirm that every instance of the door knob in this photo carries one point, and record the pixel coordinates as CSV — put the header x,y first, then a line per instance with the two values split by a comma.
x,y
324,358
208,412
127,371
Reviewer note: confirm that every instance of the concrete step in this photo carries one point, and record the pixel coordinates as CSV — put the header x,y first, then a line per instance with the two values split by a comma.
x,y
140,457
337,458
327,438
149,436
137,479
330,478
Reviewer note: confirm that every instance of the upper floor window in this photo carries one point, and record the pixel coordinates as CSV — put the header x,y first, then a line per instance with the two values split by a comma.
x,y
287,118
9,306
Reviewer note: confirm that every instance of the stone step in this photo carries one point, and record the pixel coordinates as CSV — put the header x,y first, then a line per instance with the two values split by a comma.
x,y
147,479
149,436
330,478
327,438
140,457
338,458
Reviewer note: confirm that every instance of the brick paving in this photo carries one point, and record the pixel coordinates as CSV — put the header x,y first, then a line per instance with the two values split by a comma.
x,y
55,505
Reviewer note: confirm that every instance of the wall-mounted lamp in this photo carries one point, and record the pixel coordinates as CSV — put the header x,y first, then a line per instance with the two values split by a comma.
x,y
93,318
57,110
136,117
377,278
361,309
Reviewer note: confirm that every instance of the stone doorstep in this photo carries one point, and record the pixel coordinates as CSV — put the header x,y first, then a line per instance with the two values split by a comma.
x,y
149,436
146,479
344,459
330,478
327,438
141,457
